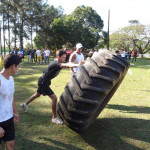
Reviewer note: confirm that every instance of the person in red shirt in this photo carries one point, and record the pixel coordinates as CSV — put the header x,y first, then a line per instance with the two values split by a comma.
x,y
134,55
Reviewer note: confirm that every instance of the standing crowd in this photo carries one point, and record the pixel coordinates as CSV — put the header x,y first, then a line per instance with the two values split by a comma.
x,y
33,55
128,54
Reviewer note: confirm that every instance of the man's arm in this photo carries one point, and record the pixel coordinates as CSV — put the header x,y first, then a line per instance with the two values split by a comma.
x,y
2,132
69,65
16,115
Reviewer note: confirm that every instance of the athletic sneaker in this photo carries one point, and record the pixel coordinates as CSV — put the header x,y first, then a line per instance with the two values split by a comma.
x,y
57,121
24,107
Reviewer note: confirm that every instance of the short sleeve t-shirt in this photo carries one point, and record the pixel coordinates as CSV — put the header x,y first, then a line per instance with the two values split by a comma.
x,y
38,52
47,52
6,98
135,53
51,72
20,54
28,52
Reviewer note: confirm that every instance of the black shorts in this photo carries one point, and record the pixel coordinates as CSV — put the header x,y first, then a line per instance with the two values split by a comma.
x,y
43,87
9,129
45,90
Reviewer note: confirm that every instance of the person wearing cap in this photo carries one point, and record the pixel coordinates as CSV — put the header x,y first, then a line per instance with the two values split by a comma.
x,y
76,57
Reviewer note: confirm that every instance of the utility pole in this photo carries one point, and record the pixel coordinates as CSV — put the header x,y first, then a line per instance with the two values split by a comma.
x,y
108,30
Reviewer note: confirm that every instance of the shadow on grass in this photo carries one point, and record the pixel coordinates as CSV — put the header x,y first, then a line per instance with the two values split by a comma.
x,y
63,145
146,90
130,109
26,80
105,134
115,133
32,145
36,132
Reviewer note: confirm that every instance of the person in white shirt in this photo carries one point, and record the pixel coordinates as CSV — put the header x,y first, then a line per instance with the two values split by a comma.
x,y
76,57
8,112
20,54
47,55
39,57
123,54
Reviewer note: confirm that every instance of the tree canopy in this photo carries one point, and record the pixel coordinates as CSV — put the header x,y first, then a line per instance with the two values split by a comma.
x,y
134,36
83,25
53,29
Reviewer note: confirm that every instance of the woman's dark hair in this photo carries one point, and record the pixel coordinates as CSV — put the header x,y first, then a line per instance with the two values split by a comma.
x,y
60,52
11,59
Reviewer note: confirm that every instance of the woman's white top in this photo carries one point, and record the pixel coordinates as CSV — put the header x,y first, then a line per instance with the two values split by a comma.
x,y
6,98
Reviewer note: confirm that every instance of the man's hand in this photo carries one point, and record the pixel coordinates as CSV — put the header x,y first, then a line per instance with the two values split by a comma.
x,y
16,117
82,62
2,132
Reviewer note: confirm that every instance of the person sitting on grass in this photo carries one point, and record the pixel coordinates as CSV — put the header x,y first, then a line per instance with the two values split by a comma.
x,y
8,112
45,81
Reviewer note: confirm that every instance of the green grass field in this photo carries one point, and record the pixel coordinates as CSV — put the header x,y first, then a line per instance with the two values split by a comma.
x,y
124,124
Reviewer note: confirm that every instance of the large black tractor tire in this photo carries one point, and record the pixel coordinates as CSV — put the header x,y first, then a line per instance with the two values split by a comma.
x,y
91,89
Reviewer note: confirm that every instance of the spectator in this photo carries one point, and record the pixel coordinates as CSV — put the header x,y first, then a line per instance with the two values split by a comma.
x,y
95,52
47,55
20,54
32,55
135,52
118,53
76,57
43,56
90,53
8,112
23,52
39,57
29,55
129,55
14,51
126,55
123,54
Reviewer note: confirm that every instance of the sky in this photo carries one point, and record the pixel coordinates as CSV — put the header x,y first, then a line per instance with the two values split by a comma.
x,y
121,11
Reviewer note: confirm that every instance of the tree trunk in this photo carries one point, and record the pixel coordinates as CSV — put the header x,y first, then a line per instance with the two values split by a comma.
x,y
15,28
21,35
15,36
4,35
1,43
8,32
31,38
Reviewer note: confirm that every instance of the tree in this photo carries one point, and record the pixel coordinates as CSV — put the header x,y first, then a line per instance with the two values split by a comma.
x,y
21,17
53,28
134,22
48,28
84,25
131,37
